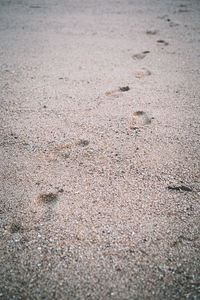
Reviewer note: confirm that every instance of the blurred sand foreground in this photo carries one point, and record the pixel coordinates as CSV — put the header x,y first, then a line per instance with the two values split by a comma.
x,y
99,149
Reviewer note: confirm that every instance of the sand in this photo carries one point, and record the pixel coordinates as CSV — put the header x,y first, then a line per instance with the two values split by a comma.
x,y
99,149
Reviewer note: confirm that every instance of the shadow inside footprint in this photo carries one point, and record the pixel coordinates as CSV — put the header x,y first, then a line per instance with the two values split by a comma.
x,y
140,55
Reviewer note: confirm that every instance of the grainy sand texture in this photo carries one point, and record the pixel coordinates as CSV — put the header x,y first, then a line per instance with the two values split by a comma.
x,y
99,125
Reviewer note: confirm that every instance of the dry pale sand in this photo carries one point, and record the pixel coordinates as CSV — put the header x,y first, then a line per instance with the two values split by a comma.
x,y
99,149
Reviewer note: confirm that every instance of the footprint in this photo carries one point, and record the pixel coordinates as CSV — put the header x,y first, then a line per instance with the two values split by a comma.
x,y
120,89
182,10
140,55
43,207
109,93
180,188
183,5
162,42
15,227
163,17
47,198
68,146
124,88
173,24
139,119
83,143
151,32
64,151
35,6
143,73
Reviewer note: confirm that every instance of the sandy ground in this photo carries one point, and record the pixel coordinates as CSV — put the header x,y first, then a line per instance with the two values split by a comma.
x,y
99,149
